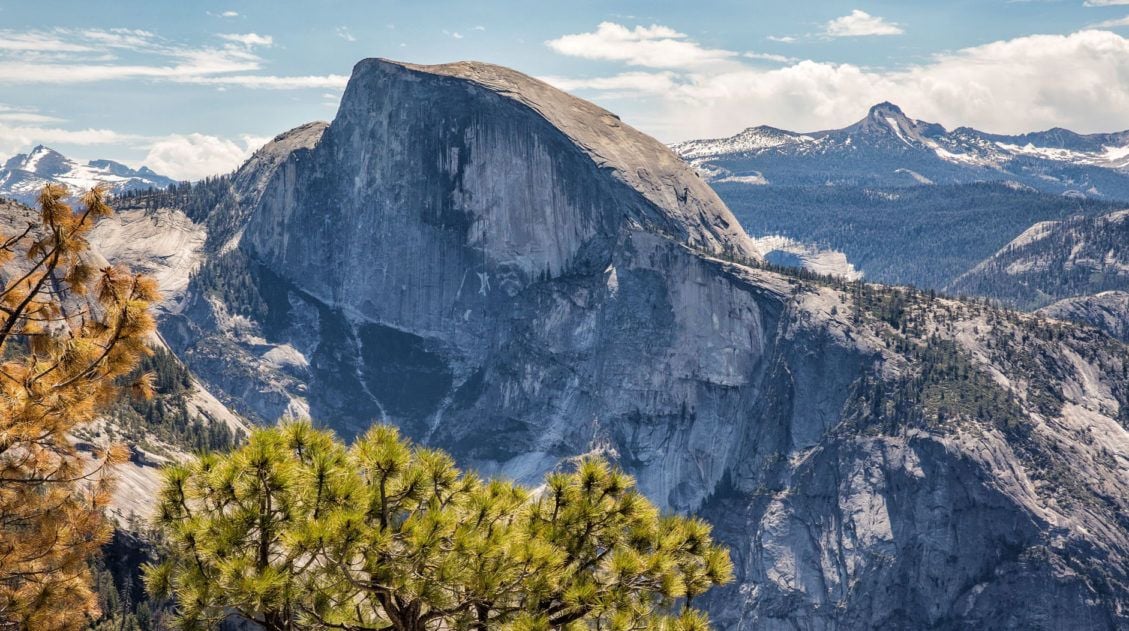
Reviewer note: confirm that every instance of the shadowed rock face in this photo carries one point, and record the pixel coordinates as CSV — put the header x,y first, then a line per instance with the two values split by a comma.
x,y
485,180
514,275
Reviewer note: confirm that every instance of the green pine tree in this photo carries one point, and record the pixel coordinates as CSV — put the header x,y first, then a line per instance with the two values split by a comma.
x,y
294,530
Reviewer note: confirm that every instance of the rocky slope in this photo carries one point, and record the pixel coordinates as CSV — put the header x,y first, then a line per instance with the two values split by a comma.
x,y
184,416
1054,260
24,175
1107,310
517,276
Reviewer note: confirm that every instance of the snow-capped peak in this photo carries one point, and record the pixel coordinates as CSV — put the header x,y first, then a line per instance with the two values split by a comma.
x,y
750,140
23,175
886,145
45,161
886,119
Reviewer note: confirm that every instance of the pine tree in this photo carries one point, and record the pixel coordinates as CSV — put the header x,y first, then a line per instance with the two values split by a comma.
x,y
294,530
67,331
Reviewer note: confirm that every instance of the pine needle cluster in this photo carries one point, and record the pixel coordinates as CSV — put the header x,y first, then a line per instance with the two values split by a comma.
x,y
295,530
68,330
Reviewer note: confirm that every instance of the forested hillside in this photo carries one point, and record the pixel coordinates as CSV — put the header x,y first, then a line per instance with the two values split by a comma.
x,y
1051,261
921,235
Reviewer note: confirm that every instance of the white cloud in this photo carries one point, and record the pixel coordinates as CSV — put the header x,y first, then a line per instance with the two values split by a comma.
x,y
16,138
769,57
1105,3
10,114
1113,23
201,67
122,38
194,156
269,82
1007,86
27,117
71,56
650,46
38,42
860,23
343,33
249,40
625,84
784,39
229,14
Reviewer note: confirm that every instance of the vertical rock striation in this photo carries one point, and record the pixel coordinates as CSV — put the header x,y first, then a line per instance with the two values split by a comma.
x,y
517,276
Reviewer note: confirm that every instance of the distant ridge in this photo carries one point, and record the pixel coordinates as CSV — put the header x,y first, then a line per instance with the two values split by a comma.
x,y
23,175
889,148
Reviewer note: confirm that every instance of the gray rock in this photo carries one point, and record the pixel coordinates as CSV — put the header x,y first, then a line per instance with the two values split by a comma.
x,y
1108,311
1055,260
517,276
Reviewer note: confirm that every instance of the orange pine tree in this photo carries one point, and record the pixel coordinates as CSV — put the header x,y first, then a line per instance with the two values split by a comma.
x,y
68,332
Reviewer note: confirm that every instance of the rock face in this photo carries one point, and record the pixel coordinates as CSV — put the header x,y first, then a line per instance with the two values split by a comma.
x,y
513,180
216,328
517,276
164,244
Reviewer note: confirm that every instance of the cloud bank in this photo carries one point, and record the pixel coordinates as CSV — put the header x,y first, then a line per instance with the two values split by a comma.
x,y
195,156
88,56
75,56
650,46
1008,86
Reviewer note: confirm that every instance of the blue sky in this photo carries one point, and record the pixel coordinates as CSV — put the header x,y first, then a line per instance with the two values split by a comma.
x,y
190,88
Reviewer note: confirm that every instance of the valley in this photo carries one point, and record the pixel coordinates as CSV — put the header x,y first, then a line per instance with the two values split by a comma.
x,y
873,456
386,316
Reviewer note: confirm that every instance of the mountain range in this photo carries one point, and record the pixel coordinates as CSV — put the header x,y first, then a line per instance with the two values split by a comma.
x,y
887,148
519,277
24,175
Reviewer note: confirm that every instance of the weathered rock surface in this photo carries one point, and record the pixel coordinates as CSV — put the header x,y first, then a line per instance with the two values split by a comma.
x,y
168,246
517,276
1107,310
164,244
1054,260
485,180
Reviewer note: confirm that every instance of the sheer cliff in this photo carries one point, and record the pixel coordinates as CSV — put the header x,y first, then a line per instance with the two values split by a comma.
x,y
518,276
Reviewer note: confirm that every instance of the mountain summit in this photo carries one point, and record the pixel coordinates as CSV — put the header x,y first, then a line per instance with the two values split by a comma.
x,y
527,181
23,175
514,275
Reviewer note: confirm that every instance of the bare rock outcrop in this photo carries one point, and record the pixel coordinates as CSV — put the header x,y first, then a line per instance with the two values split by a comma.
x,y
517,276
